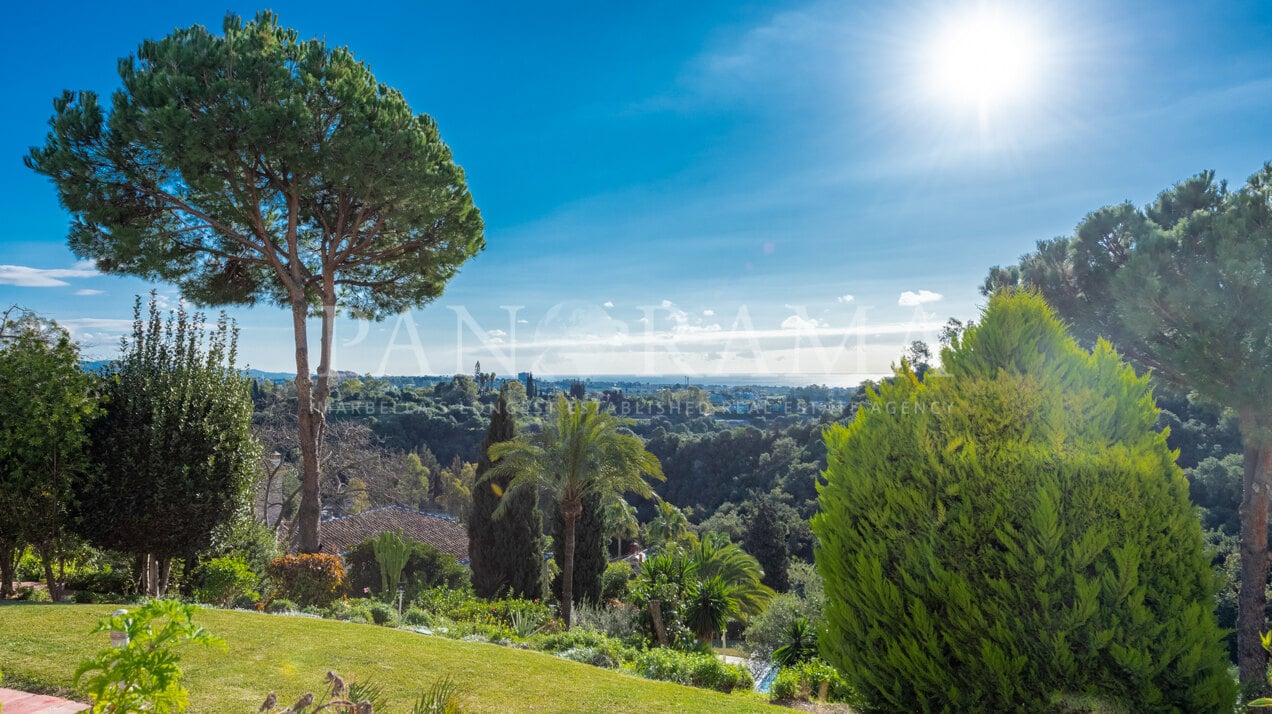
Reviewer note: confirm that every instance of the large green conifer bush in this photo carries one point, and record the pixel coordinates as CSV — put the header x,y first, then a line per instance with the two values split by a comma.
x,y
1011,530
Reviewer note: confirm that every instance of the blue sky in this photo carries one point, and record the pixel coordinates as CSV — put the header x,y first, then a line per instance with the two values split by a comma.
x,y
697,188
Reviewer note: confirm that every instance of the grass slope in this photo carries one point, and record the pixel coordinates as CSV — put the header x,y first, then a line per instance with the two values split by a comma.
x,y
42,644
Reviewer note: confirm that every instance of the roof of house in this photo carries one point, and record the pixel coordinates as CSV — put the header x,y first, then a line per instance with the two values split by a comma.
x,y
339,535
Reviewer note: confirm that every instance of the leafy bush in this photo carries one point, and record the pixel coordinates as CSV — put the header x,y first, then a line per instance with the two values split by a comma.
x,y
245,602
224,580
281,605
425,568
309,579
1012,527
615,580
84,597
804,681
591,655
143,675
105,580
415,617
800,644
693,668
462,606
383,614
615,620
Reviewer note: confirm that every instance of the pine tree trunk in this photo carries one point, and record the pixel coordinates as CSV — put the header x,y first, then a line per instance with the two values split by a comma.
x,y
308,418
1256,487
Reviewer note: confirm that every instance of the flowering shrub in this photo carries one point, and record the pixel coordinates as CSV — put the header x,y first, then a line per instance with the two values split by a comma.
x,y
309,579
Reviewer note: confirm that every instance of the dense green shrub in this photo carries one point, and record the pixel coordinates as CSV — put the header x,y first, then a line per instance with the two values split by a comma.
x,y
281,605
426,568
1012,527
309,579
383,614
693,668
226,579
615,581
804,681
592,655
107,579
245,602
84,597
415,617
463,606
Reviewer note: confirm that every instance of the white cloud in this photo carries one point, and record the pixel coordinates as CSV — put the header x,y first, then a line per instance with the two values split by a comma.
x,y
909,298
708,313
496,333
844,298
607,304
798,322
86,292
27,277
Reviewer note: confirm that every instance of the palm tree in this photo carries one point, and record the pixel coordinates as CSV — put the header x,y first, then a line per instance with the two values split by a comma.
x,y
620,522
580,451
668,527
717,557
801,644
712,604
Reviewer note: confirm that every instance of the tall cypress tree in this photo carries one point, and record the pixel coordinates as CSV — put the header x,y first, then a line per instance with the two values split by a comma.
x,y
506,553
765,538
590,559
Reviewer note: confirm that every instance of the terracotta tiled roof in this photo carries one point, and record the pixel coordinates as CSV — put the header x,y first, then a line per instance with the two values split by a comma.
x,y
443,532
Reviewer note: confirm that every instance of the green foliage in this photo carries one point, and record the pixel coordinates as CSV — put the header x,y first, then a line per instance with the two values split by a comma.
x,y
174,445
443,697
710,608
669,580
739,571
1013,527
351,201
391,554
225,580
692,668
309,578
505,553
800,644
45,405
281,605
804,681
765,538
768,630
580,452
1183,287
590,559
383,614
615,581
144,674
425,567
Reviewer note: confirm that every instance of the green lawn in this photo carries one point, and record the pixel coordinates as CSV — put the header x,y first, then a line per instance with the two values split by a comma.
x,y
42,644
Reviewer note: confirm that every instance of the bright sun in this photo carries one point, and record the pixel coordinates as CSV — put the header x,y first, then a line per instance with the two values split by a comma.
x,y
984,60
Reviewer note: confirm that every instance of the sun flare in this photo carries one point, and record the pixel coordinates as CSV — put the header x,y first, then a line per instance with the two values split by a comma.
x,y
984,60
